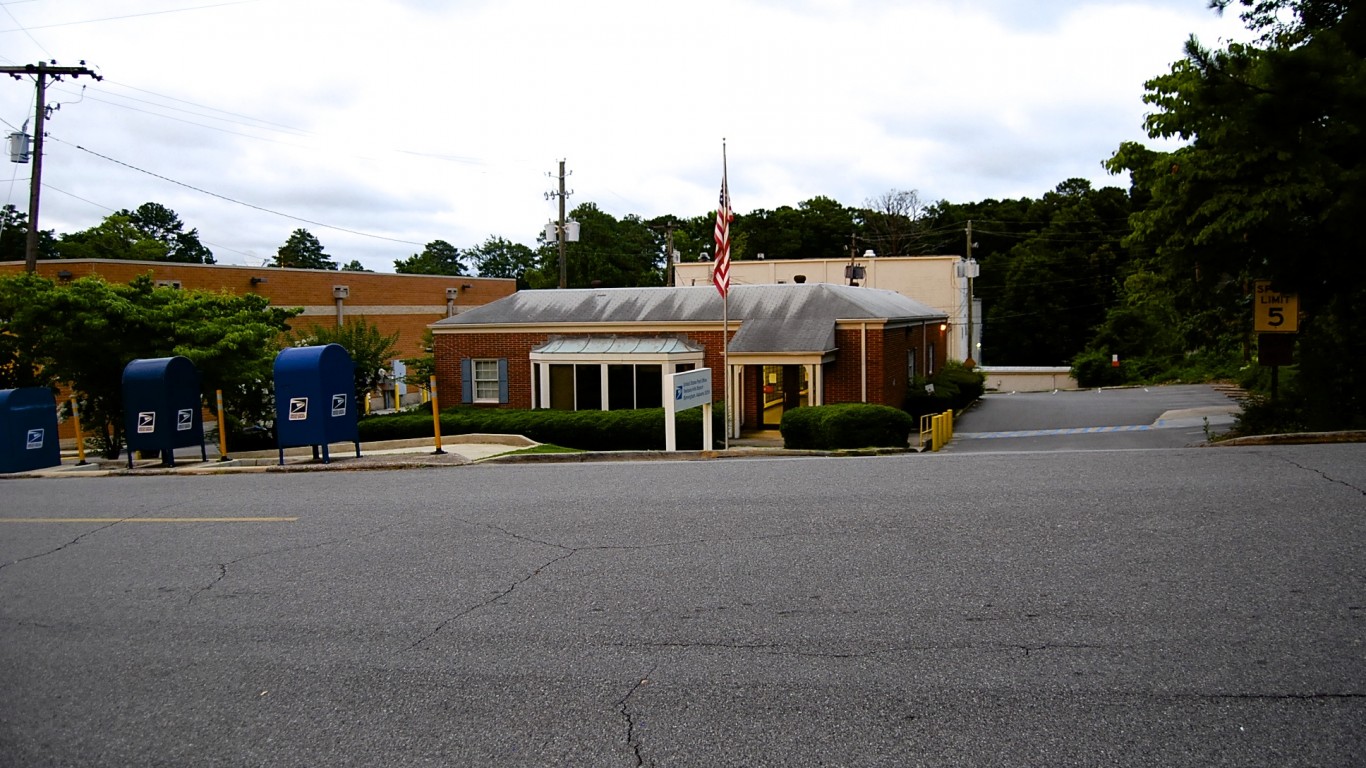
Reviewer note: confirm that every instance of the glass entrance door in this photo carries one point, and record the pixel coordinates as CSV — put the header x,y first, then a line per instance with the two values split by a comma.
x,y
781,388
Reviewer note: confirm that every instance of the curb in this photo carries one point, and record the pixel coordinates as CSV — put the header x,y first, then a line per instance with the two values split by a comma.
x,y
1293,438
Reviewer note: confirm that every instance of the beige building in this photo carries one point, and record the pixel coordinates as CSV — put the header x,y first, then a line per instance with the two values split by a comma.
x,y
935,281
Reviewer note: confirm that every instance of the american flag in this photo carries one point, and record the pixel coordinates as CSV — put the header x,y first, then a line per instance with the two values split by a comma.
x,y
720,273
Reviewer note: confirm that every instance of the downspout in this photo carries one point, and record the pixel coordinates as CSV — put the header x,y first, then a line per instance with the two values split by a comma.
x,y
864,362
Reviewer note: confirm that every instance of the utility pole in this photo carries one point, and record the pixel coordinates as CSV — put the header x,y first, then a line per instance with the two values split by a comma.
x,y
559,229
41,72
669,224
969,270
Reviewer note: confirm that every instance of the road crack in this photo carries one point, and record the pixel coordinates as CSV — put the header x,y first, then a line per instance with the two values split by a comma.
x,y
1323,475
223,567
491,600
631,738
71,543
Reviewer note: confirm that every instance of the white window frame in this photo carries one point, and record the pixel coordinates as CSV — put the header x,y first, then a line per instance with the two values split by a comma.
x,y
479,384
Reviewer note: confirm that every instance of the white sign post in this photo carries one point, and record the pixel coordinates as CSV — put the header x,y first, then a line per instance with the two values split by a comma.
x,y
682,391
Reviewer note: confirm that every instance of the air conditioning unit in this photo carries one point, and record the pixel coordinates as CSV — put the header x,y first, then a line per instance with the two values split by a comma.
x,y
341,292
452,294
169,284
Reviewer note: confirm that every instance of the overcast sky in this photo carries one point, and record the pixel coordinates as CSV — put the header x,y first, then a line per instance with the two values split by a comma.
x,y
407,121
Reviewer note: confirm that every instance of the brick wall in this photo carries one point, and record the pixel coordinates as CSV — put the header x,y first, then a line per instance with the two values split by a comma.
x,y
887,350
450,348
403,303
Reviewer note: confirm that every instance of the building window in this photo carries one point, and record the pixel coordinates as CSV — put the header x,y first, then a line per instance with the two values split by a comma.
x,y
929,361
485,381
910,365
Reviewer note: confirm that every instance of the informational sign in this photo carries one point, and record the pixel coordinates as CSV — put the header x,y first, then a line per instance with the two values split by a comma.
x,y
691,388
1275,349
339,405
35,439
147,422
1274,312
184,420
298,409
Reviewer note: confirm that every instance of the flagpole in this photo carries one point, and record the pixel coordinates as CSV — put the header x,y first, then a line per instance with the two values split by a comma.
x,y
725,365
725,315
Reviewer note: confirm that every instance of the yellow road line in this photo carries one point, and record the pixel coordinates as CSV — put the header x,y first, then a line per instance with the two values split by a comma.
x,y
148,519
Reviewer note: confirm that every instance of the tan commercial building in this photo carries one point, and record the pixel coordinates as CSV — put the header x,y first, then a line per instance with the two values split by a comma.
x,y
939,282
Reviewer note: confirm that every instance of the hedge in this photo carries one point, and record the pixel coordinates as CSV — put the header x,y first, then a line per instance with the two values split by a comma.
x,y
956,386
848,425
625,430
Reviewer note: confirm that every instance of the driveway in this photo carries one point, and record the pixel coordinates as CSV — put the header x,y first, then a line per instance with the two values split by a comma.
x,y
1107,419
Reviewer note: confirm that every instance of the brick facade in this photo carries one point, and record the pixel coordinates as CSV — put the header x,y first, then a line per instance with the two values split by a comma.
x,y
405,304
886,349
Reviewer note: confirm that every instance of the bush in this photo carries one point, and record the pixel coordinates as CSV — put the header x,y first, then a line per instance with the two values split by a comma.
x,y
848,425
955,387
633,430
1093,368
1263,416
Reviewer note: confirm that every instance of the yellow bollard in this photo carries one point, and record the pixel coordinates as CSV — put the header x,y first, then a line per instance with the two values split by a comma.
x,y
80,439
222,431
436,417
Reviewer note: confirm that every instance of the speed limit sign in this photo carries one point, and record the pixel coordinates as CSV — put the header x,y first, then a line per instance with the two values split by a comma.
x,y
1274,312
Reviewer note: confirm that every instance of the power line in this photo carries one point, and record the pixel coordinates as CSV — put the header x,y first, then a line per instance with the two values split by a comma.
x,y
240,202
128,16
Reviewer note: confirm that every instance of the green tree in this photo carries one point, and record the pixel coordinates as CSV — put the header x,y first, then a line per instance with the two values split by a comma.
x,y
498,257
609,253
1270,184
14,237
371,351
162,224
354,265
818,228
114,238
302,250
86,331
437,258
24,308
1053,287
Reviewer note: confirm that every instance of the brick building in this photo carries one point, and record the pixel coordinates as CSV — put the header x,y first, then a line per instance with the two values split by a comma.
x,y
610,348
403,304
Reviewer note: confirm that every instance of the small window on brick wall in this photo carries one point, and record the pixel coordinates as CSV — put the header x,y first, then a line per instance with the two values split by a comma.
x,y
484,380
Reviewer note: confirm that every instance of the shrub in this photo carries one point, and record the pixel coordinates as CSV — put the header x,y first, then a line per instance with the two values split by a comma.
x,y
1093,368
848,425
626,430
955,387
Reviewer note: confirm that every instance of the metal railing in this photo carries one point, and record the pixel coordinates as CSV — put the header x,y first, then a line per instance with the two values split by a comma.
x,y
936,429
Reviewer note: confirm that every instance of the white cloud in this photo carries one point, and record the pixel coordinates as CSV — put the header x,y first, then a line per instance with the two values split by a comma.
x,y
417,120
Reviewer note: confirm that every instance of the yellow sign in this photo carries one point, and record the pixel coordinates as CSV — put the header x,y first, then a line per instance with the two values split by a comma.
x,y
1274,312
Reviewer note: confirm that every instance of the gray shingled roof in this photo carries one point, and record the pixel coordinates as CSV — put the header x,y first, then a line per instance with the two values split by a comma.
x,y
817,305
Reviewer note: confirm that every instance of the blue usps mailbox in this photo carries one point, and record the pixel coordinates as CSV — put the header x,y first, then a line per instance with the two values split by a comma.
x,y
314,399
28,429
161,407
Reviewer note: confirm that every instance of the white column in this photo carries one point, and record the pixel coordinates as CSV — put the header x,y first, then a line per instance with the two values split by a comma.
x,y
602,385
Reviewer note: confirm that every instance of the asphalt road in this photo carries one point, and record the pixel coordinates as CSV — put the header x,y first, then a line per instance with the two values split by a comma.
x,y
1174,607
1139,417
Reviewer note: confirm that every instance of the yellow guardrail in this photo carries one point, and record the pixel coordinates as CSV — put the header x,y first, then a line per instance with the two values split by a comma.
x,y
937,428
